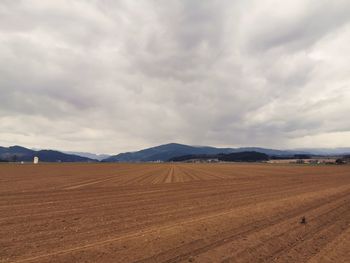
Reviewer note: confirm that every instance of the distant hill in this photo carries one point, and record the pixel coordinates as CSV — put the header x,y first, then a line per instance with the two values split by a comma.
x,y
163,153
19,153
327,151
168,151
90,155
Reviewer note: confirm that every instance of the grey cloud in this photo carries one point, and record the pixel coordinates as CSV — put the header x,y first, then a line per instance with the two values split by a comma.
x,y
109,76
297,29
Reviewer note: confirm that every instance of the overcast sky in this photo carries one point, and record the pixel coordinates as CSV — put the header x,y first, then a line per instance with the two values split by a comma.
x,y
108,76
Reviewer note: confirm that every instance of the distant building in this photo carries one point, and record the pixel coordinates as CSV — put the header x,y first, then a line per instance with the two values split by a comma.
x,y
36,160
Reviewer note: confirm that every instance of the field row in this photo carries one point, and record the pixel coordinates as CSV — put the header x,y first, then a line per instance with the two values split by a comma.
x,y
174,213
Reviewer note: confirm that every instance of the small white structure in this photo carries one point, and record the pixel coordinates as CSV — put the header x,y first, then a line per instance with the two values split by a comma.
x,y
36,160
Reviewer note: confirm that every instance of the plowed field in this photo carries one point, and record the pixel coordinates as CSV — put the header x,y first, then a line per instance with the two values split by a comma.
x,y
174,213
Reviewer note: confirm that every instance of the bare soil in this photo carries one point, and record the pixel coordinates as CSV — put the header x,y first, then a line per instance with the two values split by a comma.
x,y
174,213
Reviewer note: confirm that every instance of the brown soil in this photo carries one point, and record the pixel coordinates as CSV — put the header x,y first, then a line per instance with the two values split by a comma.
x,y
174,213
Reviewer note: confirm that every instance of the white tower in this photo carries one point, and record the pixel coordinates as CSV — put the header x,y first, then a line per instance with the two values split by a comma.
x,y
36,160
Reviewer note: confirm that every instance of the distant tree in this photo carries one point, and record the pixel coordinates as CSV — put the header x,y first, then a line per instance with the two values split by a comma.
x,y
244,157
339,161
231,157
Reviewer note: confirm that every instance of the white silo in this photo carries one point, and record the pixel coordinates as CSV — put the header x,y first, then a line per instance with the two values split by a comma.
x,y
36,160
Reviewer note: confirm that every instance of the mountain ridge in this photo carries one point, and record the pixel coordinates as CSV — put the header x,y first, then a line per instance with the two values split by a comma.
x,y
18,154
162,152
89,155
167,151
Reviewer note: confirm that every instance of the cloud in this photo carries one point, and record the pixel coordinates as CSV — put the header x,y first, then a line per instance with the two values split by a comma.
x,y
109,76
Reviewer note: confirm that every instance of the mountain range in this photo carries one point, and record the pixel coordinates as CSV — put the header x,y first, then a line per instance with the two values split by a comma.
x,y
158,153
168,151
94,156
19,154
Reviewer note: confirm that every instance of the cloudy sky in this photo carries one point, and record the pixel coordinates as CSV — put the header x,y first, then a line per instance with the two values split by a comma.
x,y
108,76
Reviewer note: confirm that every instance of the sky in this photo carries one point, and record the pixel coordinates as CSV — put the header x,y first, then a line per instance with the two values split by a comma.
x,y
108,76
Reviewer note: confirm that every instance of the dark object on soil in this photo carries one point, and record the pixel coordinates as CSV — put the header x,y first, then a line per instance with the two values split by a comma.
x,y
303,220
